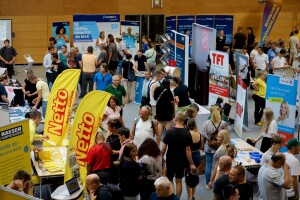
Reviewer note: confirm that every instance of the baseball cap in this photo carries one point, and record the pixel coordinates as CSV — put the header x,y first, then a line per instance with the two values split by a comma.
x,y
298,56
118,37
293,142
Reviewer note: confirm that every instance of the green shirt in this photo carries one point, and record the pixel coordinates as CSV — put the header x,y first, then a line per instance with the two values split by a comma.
x,y
119,92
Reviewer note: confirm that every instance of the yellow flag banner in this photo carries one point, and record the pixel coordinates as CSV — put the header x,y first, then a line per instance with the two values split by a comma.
x,y
85,125
59,108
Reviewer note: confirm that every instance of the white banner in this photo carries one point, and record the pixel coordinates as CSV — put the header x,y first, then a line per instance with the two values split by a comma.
x,y
240,107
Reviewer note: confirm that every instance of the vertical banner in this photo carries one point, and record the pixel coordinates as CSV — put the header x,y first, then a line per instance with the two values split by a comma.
x,y
171,46
185,22
14,150
281,98
240,107
86,122
130,32
271,12
225,22
206,20
170,24
182,57
204,39
86,29
61,31
218,77
60,103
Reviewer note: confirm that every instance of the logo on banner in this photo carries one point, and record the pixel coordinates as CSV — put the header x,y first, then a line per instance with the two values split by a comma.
x,y
218,59
109,17
286,81
204,40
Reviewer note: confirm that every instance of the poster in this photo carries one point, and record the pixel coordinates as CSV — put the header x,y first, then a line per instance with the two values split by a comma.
x,y
182,57
130,31
86,29
281,98
170,24
206,20
86,122
240,107
218,77
185,22
171,46
60,104
204,39
61,32
225,22
271,12
14,150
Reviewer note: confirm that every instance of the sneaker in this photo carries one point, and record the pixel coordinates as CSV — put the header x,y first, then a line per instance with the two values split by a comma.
x,y
207,187
259,124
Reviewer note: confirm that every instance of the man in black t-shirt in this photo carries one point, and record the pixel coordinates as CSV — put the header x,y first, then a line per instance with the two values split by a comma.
x,y
57,66
7,57
239,40
178,141
140,61
96,189
237,178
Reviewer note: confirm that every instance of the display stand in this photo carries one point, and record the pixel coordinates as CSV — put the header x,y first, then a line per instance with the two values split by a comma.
x,y
29,60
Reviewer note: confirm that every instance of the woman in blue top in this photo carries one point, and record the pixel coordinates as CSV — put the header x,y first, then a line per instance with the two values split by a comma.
x,y
145,43
63,55
3,93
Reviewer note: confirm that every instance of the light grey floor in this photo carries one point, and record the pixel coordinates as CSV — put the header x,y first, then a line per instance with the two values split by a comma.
x,y
131,110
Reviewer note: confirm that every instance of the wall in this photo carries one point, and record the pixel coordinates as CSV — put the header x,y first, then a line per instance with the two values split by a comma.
x,y
32,21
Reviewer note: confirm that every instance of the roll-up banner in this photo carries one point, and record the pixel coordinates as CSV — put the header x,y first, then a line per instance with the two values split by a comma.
x,y
87,119
86,29
240,107
60,104
14,150
185,22
130,31
281,97
224,22
218,77
206,20
204,39
271,12
61,32
182,57
170,24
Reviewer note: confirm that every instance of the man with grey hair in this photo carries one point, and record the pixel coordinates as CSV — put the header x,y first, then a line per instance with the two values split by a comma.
x,y
102,58
178,141
163,190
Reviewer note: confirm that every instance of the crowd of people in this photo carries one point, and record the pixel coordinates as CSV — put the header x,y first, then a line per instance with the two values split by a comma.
x,y
135,159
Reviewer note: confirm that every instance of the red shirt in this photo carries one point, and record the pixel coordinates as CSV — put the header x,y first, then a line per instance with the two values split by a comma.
x,y
99,157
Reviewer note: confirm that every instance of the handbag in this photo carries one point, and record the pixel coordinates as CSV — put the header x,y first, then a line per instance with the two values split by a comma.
x,y
158,98
232,82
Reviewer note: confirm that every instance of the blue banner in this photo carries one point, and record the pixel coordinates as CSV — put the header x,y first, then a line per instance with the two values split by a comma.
x,y
61,32
185,22
170,24
206,20
281,98
225,22
181,54
97,18
271,12
171,45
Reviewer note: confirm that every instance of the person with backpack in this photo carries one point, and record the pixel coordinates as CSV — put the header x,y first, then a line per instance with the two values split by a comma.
x,y
211,129
144,127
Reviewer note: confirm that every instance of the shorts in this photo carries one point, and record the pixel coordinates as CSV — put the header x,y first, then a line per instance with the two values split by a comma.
x,y
175,169
113,65
196,156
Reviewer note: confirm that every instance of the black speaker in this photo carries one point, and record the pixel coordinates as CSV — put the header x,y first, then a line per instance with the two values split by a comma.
x,y
192,80
202,83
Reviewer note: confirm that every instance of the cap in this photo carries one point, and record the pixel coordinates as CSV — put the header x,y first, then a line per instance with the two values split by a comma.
x,y
118,37
298,56
293,142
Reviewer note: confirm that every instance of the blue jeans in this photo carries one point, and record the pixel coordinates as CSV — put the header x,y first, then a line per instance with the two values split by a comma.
x,y
208,166
44,108
119,71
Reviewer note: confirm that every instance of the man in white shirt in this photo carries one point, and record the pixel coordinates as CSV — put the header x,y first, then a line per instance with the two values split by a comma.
x,y
146,90
276,142
279,63
293,146
260,61
43,93
121,47
254,52
47,62
296,65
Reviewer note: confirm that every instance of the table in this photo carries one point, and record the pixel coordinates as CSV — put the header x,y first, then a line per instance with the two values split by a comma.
x,y
57,194
42,173
243,151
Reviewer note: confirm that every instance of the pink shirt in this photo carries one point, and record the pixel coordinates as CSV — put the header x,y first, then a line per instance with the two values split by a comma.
x,y
110,114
